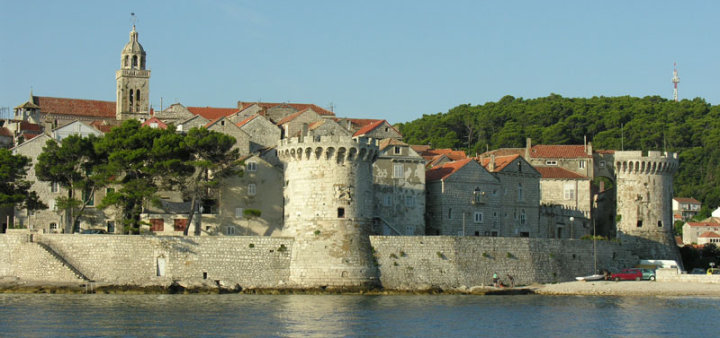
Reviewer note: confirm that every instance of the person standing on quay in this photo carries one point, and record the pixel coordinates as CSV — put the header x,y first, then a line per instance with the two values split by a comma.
x,y
495,279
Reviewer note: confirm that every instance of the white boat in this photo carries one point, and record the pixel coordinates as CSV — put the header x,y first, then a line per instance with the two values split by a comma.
x,y
591,277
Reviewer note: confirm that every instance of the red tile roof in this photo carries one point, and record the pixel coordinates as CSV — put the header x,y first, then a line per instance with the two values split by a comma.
x,y
709,234
368,128
212,113
5,132
504,152
76,107
604,151
291,117
27,126
297,106
559,173
446,170
703,224
245,121
207,125
384,143
686,200
454,155
420,148
559,151
160,124
500,161
28,136
102,126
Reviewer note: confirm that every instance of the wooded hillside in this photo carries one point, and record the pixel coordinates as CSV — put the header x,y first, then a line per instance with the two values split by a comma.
x,y
689,127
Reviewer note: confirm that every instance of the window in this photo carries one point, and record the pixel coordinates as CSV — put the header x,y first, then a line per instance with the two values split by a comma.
x,y
238,212
157,224
398,171
180,224
520,192
409,201
659,224
251,189
493,233
450,213
251,166
53,227
54,187
522,216
153,125
581,164
51,204
569,191
639,223
230,230
477,195
110,227
387,200
477,233
478,217
88,198
397,150
341,213
550,162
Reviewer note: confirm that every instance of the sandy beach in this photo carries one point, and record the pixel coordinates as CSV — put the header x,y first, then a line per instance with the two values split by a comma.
x,y
630,288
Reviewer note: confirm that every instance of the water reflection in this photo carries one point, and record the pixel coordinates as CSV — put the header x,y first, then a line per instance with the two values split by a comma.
x,y
337,315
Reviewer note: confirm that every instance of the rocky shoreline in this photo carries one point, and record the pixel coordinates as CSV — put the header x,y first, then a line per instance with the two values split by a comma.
x,y
595,288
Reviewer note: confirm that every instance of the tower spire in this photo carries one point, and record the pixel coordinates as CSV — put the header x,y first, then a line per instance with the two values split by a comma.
x,y
675,81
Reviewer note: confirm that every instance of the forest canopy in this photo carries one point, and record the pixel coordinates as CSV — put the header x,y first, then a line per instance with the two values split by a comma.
x,y
689,127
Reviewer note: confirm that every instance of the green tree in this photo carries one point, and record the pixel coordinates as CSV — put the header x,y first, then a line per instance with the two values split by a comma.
x,y
212,158
140,161
72,163
14,189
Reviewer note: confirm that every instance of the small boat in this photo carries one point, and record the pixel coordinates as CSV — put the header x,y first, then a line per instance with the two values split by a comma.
x,y
591,277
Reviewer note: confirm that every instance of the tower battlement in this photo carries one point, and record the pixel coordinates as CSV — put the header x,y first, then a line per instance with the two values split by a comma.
x,y
655,162
328,148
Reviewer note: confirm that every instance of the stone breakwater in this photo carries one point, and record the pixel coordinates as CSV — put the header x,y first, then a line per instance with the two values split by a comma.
x,y
404,263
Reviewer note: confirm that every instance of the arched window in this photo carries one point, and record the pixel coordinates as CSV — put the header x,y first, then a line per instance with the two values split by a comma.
x,y
130,97
137,100
125,63
142,62
520,192
134,62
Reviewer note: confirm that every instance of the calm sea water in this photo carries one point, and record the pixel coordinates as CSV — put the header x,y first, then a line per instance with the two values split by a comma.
x,y
339,315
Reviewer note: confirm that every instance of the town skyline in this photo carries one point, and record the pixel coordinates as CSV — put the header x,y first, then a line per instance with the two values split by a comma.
x,y
394,61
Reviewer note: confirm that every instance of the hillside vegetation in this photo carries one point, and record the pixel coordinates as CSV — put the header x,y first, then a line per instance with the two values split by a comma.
x,y
689,127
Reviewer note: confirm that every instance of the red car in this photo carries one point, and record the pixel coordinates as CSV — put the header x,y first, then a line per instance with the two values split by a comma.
x,y
627,274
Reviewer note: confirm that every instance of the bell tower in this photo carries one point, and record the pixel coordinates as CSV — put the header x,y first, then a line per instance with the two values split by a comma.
x,y
133,81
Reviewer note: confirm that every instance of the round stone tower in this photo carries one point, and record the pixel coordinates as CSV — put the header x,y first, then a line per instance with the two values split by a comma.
x,y
328,209
644,203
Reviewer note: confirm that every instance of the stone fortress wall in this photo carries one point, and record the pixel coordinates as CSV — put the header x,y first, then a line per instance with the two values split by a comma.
x,y
402,262
328,209
644,202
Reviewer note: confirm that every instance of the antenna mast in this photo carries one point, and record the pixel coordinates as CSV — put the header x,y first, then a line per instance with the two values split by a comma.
x,y
675,81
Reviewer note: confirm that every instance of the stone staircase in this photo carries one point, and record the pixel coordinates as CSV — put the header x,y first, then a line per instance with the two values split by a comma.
x,y
63,261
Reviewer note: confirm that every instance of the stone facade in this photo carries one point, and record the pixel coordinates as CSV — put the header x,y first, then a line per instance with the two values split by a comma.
x,y
644,202
133,81
262,132
328,198
399,190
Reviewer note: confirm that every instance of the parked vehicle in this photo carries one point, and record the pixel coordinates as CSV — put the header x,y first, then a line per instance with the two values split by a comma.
x,y
697,271
713,271
628,274
648,274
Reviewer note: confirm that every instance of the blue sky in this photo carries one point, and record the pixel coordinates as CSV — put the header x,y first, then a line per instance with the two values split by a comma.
x,y
395,60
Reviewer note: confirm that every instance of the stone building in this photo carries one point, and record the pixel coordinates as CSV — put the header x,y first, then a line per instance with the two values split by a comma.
x,y
399,185
644,202
685,208
563,188
464,199
328,198
262,132
693,230
133,82
519,196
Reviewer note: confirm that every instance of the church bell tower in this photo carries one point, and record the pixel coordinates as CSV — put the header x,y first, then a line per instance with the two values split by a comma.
x,y
133,81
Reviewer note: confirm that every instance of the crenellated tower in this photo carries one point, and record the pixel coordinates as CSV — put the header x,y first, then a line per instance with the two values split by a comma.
x,y
644,203
328,209
133,81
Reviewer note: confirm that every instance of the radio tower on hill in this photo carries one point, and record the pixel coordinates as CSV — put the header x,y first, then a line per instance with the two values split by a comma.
x,y
675,81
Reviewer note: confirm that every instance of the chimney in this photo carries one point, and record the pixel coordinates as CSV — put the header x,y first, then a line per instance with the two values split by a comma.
x,y
528,145
589,148
491,164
